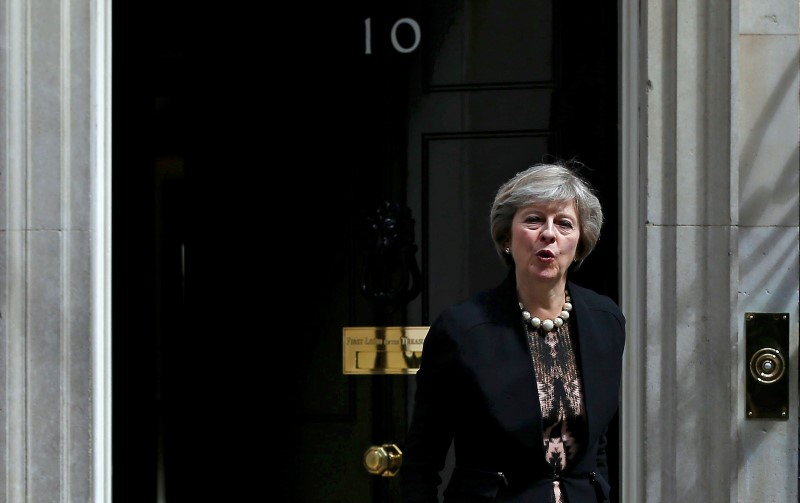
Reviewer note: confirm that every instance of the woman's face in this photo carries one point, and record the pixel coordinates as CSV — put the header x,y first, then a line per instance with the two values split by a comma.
x,y
544,239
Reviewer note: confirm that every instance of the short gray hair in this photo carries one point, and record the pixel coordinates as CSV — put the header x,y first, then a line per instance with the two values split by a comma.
x,y
546,182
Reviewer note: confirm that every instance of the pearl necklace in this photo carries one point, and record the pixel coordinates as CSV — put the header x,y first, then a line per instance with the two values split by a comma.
x,y
548,325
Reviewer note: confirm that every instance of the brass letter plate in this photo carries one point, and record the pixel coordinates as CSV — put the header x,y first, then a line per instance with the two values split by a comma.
x,y
382,350
767,365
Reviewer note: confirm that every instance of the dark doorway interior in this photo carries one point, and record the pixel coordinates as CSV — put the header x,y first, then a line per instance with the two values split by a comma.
x,y
185,391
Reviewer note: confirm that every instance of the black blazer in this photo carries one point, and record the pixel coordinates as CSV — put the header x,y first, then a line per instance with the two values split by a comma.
x,y
476,388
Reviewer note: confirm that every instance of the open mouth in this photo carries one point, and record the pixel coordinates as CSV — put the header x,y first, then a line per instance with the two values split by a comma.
x,y
545,254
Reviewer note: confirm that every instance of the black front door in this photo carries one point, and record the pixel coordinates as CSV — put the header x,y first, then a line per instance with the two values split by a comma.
x,y
430,105
283,144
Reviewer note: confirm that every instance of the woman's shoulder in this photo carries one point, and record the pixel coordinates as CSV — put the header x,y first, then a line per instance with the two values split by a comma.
x,y
486,306
594,300
473,308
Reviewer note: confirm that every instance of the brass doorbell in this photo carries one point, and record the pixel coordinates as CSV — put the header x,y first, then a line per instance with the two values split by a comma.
x,y
767,365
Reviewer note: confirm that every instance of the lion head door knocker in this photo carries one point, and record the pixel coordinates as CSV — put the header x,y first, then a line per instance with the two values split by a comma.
x,y
391,276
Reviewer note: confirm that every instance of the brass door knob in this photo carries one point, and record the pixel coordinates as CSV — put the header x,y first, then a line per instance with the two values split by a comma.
x,y
384,460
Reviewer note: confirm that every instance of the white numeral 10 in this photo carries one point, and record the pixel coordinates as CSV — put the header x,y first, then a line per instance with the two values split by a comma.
x,y
397,47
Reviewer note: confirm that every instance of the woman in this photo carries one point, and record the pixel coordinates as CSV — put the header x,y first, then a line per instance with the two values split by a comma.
x,y
523,379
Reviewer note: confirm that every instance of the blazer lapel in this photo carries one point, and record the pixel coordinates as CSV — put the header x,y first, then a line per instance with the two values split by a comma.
x,y
589,336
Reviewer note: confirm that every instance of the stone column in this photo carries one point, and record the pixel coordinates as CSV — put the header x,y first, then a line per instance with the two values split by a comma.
x,y
717,213
767,168
54,251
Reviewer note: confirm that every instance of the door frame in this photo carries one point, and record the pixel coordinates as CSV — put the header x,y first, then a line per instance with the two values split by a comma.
x,y
631,235
631,256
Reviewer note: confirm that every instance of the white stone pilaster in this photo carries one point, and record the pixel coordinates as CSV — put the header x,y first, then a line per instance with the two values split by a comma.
x,y
716,231
54,301
767,162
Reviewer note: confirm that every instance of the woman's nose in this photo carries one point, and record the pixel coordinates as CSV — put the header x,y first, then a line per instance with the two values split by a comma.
x,y
548,231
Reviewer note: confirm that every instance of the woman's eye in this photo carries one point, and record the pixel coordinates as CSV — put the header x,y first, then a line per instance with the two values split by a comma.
x,y
566,224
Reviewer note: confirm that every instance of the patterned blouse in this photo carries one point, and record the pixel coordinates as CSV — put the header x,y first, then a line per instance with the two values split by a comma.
x,y
561,398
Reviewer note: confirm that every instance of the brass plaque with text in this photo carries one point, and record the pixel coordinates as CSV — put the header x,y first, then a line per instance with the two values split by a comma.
x,y
382,350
